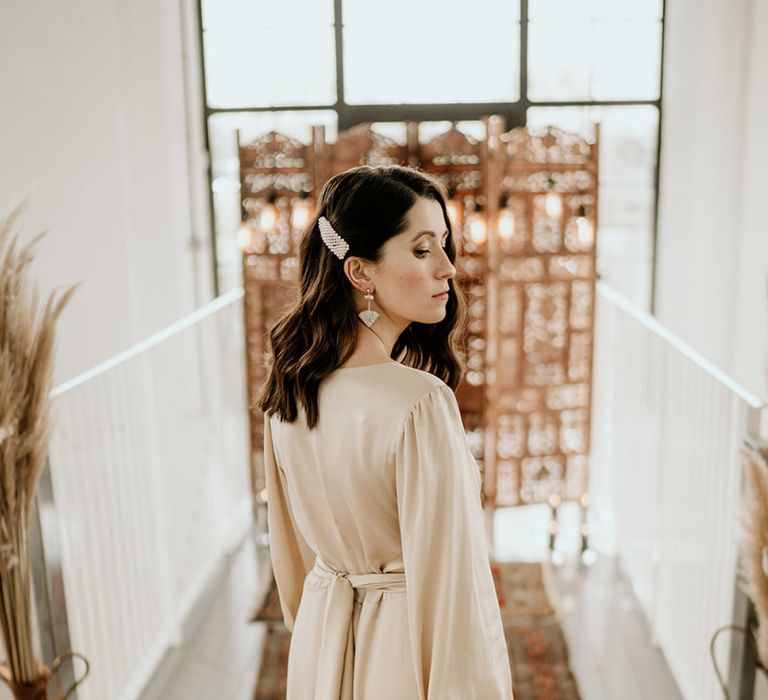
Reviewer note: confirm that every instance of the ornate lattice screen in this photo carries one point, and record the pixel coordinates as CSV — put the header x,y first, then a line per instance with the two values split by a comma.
x,y
523,205
277,177
545,278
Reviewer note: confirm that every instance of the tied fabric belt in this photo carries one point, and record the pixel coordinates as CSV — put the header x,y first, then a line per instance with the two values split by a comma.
x,y
336,661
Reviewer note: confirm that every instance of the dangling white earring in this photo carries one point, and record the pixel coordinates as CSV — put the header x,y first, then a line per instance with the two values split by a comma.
x,y
368,316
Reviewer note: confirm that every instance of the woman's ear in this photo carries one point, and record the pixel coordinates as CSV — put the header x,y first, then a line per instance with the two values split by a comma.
x,y
359,273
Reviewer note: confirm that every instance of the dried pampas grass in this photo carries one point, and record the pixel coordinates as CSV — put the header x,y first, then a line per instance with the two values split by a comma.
x,y
754,546
26,367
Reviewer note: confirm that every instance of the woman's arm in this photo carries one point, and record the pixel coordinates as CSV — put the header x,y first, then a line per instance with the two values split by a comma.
x,y
455,626
292,558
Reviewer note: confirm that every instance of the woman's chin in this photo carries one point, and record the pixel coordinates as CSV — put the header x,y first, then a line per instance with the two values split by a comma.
x,y
432,316
437,316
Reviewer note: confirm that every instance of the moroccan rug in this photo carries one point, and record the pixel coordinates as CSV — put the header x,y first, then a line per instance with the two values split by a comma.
x,y
538,654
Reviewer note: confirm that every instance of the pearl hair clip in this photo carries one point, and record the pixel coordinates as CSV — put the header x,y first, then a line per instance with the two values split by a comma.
x,y
333,240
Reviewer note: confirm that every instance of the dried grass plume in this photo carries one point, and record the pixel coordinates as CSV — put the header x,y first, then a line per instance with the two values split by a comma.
x,y
754,546
26,367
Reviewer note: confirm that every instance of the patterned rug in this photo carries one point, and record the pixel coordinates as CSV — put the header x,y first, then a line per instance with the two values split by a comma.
x,y
538,653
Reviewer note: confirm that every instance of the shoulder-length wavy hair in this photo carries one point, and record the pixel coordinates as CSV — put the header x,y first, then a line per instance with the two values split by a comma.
x,y
318,333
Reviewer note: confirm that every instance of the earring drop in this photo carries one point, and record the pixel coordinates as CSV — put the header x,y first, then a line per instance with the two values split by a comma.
x,y
368,316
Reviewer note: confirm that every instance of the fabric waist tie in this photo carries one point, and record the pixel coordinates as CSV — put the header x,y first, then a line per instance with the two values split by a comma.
x,y
336,661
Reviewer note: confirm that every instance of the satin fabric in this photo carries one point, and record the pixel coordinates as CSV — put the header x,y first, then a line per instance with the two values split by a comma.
x,y
378,544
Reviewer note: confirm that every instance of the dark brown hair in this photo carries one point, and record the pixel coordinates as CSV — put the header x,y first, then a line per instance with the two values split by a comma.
x,y
366,206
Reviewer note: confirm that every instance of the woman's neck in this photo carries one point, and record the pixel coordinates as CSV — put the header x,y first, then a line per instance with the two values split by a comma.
x,y
372,347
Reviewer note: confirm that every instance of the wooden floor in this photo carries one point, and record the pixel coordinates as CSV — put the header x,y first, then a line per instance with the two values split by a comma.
x,y
608,638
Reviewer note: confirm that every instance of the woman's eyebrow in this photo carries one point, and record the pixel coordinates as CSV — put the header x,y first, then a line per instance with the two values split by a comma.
x,y
429,233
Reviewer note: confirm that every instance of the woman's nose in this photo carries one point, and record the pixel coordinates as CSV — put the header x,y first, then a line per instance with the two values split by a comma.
x,y
450,270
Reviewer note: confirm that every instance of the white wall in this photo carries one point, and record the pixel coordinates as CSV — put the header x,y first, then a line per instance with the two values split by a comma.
x,y
98,105
750,351
713,237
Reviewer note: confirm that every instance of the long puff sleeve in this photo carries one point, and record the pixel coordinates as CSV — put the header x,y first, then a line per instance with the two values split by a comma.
x,y
455,627
292,558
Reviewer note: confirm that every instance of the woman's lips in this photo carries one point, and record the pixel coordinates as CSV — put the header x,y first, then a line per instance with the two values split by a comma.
x,y
442,295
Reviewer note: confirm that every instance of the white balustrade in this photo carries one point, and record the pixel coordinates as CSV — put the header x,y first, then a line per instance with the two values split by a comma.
x,y
666,482
149,462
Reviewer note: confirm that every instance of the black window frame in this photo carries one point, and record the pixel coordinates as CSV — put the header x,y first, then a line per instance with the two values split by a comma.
x,y
514,113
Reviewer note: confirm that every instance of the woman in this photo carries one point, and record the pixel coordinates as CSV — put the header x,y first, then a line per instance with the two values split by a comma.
x,y
377,532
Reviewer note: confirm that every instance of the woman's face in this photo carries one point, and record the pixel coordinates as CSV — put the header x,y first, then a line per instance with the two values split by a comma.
x,y
414,268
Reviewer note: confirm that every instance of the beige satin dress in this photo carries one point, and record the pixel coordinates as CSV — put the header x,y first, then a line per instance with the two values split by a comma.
x,y
378,544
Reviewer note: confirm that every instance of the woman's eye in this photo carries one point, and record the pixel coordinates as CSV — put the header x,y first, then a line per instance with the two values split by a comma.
x,y
422,251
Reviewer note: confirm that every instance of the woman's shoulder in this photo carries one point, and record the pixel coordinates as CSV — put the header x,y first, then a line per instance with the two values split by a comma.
x,y
421,377
421,401
424,389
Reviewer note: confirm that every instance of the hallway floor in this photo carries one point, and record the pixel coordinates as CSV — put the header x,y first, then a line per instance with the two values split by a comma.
x,y
608,638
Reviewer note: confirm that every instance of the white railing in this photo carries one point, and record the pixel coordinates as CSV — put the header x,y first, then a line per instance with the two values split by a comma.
x,y
666,482
149,464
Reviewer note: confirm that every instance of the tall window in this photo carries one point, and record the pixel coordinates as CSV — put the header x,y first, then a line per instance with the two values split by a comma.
x,y
289,65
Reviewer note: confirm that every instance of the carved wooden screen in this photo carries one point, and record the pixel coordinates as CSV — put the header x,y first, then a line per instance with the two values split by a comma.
x,y
361,145
544,327
277,181
523,207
